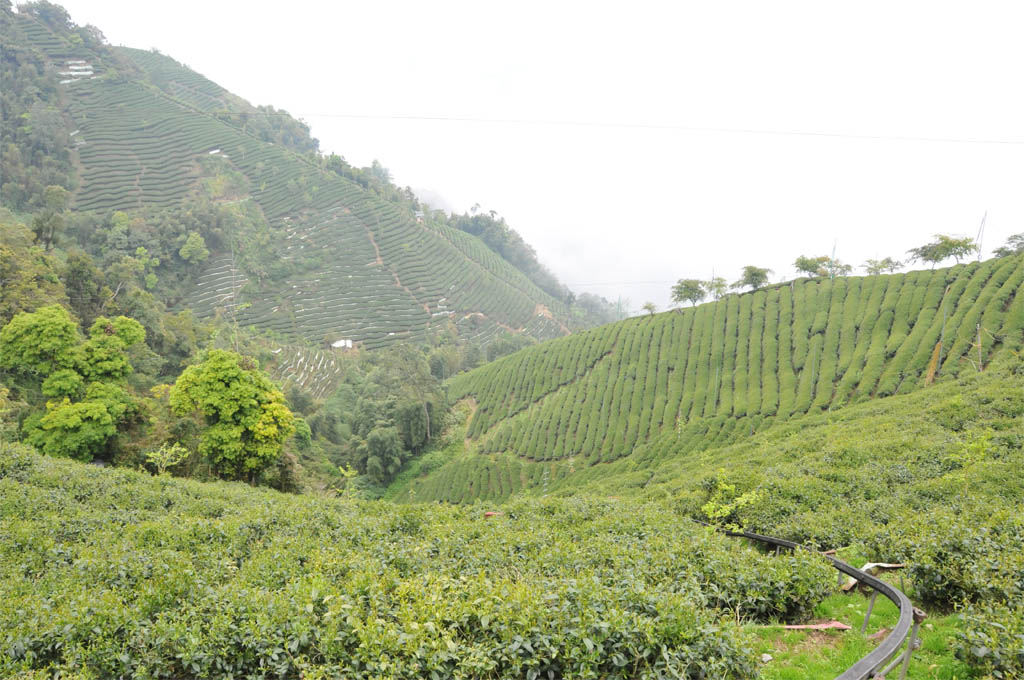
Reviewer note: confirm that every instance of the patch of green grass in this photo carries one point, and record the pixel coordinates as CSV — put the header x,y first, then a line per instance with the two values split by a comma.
x,y
801,654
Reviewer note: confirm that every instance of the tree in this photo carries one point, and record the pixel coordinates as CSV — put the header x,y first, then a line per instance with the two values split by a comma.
x,y
650,308
821,266
384,448
753,277
690,290
48,223
45,346
247,420
717,287
943,248
82,429
1014,245
834,268
77,430
886,266
812,266
40,342
28,276
104,354
194,251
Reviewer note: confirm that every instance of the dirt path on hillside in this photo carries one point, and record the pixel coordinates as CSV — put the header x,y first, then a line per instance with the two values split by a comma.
x,y
473,406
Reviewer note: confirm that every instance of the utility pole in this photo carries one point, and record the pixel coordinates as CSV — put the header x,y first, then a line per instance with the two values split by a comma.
x,y
981,234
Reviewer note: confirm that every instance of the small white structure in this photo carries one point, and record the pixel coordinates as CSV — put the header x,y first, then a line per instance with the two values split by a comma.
x,y
344,343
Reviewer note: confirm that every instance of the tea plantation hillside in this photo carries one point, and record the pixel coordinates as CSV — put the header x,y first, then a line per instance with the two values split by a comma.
x,y
296,249
108,573
683,381
933,479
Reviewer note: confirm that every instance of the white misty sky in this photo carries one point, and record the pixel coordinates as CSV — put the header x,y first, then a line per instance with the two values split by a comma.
x,y
615,203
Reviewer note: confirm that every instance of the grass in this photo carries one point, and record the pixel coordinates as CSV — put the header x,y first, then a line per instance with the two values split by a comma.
x,y
799,654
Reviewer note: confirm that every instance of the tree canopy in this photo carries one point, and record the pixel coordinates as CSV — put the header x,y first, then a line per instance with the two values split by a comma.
x,y
753,277
1013,246
247,420
44,351
884,266
812,266
717,287
943,248
821,266
39,342
689,290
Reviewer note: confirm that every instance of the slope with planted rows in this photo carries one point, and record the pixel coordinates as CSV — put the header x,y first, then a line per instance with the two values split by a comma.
x,y
692,378
335,260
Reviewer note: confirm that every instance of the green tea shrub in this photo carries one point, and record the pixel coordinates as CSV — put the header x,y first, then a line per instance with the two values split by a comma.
x,y
991,640
114,573
957,556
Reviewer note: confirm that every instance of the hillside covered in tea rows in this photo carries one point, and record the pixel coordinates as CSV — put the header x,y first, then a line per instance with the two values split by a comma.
x,y
286,241
685,380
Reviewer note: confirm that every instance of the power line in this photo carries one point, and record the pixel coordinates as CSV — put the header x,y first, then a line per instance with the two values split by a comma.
x,y
622,283
655,126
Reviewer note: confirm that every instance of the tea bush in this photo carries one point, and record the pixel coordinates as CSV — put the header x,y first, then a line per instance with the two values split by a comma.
x,y
114,573
992,640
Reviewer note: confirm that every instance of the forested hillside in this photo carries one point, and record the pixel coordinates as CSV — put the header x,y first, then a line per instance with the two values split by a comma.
x,y
242,215
684,380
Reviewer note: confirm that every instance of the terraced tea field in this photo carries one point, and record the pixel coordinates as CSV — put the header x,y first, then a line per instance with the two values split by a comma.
x,y
314,370
686,380
363,268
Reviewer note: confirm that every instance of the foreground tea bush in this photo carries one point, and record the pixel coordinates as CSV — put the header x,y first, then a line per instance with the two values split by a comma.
x,y
992,641
112,573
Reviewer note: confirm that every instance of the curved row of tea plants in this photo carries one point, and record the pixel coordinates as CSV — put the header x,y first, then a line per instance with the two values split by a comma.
x,y
745,362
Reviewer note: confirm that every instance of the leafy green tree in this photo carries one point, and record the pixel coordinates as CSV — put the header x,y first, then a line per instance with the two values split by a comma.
x,y
50,222
77,430
65,383
884,266
689,290
40,342
299,400
104,354
834,267
82,429
384,449
820,266
1014,245
194,250
471,357
85,284
753,277
28,276
47,343
166,457
413,421
650,308
812,266
247,420
943,248
717,287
